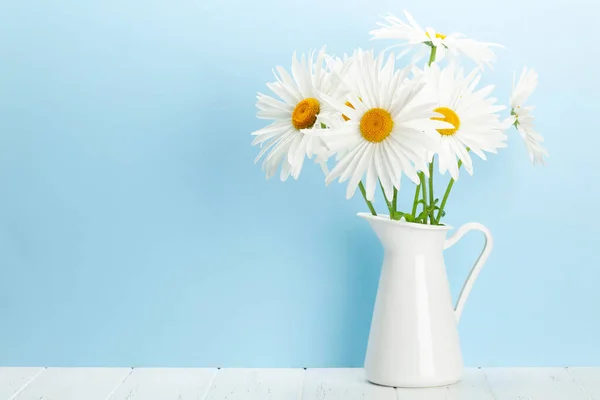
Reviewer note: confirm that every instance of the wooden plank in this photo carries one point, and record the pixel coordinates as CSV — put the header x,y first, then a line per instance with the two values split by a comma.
x,y
166,383
75,384
473,386
342,384
14,379
284,384
588,378
257,384
533,384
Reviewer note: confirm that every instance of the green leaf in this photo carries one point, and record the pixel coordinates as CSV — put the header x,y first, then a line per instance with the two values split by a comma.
x,y
409,218
397,215
422,217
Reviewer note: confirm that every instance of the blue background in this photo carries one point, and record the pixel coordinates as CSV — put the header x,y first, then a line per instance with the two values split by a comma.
x,y
135,230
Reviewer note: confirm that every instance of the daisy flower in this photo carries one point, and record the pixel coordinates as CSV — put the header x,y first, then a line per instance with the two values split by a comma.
x,y
476,126
522,117
380,131
297,109
342,78
455,43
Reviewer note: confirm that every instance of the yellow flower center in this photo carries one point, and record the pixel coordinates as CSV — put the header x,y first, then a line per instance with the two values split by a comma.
x,y
352,107
305,113
450,117
376,125
437,35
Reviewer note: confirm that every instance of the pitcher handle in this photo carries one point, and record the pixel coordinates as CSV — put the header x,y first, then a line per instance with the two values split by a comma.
x,y
487,248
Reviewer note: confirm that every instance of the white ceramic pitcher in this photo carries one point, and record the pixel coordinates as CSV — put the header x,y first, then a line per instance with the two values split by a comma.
x,y
414,338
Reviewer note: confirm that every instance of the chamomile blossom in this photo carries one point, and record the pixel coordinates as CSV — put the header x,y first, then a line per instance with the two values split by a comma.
x,y
412,34
475,125
342,77
522,116
380,130
298,109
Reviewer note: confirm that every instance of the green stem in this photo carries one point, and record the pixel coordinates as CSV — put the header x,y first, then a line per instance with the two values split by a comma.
x,y
389,204
448,189
431,217
364,194
395,200
432,55
414,209
421,186
424,189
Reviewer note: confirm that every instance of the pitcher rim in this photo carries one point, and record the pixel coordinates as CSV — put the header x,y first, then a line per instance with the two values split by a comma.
x,y
386,218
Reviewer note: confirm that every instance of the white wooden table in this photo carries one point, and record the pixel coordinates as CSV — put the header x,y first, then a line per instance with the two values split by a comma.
x,y
286,384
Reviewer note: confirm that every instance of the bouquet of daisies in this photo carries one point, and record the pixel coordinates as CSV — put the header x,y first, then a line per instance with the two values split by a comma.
x,y
376,122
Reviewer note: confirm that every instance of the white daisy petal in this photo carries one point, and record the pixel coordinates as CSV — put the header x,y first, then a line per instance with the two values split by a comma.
x,y
411,20
343,163
299,75
269,132
265,149
276,157
280,149
393,164
281,91
288,134
462,154
285,170
287,83
352,168
301,150
268,102
523,117
371,180
294,146
360,170
297,166
382,172
403,154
